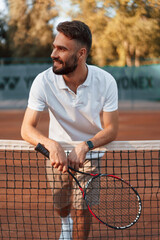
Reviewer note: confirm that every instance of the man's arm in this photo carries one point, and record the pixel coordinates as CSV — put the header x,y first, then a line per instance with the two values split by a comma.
x,y
31,134
108,134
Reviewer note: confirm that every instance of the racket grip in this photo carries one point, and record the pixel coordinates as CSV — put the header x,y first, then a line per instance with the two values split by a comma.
x,y
40,148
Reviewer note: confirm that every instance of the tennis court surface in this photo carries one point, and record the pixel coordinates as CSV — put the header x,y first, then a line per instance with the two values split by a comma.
x,y
27,210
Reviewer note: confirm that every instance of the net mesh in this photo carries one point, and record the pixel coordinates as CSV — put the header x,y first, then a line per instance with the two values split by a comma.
x,y
26,196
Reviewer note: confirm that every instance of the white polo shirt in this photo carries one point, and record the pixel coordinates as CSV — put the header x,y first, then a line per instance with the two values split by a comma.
x,y
74,117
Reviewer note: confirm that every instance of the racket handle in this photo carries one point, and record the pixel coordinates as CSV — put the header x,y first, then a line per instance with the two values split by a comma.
x,y
40,148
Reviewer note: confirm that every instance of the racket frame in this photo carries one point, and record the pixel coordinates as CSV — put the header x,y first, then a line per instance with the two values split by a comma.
x,y
120,179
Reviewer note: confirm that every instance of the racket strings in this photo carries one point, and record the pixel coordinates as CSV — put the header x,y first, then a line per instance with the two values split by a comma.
x,y
117,203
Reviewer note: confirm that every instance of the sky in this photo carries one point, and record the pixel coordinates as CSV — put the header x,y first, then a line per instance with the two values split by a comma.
x,y
2,6
64,5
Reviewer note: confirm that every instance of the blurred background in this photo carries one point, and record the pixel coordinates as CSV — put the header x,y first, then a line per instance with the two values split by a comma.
x,y
126,43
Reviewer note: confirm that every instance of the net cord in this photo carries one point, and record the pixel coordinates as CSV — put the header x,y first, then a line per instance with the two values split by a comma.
x,y
113,146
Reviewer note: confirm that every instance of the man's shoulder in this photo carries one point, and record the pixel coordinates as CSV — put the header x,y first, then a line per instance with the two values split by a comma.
x,y
47,76
46,72
100,73
94,68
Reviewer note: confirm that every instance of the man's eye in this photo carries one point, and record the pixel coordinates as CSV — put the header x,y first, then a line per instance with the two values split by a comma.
x,y
62,49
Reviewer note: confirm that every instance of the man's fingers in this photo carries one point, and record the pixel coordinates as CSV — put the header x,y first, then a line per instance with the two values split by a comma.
x,y
60,168
72,163
57,157
81,164
64,169
52,162
55,164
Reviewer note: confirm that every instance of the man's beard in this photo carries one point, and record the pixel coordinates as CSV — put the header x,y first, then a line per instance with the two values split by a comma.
x,y
66,68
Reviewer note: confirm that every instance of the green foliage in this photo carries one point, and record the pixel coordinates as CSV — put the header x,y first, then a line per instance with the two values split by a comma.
x,y
124,31
4,51
30,33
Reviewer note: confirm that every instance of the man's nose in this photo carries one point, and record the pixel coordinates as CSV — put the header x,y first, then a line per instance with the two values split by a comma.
x,y
54,53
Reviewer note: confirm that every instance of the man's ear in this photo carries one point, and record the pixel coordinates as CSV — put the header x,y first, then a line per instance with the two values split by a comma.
x,y
82,53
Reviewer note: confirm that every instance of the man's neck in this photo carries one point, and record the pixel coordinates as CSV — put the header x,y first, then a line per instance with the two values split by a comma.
x,y
75,79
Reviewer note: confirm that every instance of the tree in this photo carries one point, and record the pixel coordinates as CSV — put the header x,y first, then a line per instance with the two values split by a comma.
x,y
95,16
29,28
3,38
135,30
123,31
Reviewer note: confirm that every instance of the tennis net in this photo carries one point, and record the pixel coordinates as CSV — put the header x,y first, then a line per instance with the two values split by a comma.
x,y
26,199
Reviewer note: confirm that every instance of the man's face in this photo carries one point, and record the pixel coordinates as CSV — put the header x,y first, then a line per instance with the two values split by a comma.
x,y
64,55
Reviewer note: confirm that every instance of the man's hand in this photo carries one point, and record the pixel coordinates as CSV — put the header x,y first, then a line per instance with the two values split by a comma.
x,y
58,157
77,156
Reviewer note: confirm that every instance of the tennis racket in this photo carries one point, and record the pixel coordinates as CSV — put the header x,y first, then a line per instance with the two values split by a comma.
x,y
119,204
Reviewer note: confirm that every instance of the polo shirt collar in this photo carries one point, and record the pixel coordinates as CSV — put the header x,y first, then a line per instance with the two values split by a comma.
x,y
88,79
62,84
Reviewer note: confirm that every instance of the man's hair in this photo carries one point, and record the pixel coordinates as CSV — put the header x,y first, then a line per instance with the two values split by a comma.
x,y
77,30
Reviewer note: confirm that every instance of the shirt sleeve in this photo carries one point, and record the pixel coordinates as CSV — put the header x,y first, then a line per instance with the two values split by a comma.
x,y
111,100
37,100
